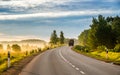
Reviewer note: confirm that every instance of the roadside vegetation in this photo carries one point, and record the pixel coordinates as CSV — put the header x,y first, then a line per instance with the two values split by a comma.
x,y
16,54
102,40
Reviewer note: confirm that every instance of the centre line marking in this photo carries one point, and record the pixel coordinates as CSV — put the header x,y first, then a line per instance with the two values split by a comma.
x,y
77,68
82,72
70,63
73,66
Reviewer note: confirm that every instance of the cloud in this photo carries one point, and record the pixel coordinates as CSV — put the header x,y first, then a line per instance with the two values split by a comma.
x,y
58,14
30,3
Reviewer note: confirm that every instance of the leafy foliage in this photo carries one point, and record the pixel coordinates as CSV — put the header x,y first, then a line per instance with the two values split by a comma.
x,y
16,48
117,48
1,47
103,31
61,37
102,48
54,38
83,38
8,47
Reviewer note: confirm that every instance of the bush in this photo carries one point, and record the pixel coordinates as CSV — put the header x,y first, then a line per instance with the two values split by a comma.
x,y
39,49
117,48
87,49
16,48
78,47
82,48
102,48
26,53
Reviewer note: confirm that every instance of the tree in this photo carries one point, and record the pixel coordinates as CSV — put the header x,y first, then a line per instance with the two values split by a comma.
x,y
54,38
1,47
8,47
16,48
92,40
103,32
83,38
62,38
116,28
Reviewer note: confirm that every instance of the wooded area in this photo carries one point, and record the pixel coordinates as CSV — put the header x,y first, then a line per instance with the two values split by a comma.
x,y
104,31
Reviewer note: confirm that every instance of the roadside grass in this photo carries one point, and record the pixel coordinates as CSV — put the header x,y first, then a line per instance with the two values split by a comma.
x,y
15,57
111,57
18,56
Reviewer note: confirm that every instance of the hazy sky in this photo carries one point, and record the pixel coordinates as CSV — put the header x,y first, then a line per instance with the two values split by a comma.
x,y
22,19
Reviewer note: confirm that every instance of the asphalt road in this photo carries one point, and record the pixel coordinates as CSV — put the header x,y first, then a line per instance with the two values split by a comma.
x,y
64,61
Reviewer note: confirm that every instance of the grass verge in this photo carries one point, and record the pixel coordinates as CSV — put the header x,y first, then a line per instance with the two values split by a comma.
x,y
112,57
18,65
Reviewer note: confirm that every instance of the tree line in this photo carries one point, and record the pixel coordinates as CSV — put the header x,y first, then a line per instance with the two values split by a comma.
x,y
14,47
103,32
54,39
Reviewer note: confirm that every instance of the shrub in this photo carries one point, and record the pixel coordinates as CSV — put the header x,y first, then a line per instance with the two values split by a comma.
x,y
87,49
82,48
16,48
101,48
117,48
39,49
26,53
78,47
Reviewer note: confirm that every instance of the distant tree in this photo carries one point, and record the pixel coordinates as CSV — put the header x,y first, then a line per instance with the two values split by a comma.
x,y
8,47
16,48
1,47
62,38
54,38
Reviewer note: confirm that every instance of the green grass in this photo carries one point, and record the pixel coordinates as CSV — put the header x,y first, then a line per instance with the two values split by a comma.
x,y
113,57
15,57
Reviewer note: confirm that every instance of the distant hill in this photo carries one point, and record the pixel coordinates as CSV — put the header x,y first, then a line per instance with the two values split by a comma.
x,y
29,41
33,40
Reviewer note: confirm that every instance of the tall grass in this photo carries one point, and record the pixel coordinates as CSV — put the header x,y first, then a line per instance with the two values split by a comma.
x,y
15,57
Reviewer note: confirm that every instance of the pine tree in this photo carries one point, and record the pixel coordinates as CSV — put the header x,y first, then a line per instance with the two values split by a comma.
x,y
54,38
61,37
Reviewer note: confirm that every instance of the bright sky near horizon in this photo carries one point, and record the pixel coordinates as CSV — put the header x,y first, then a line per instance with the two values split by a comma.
x,y
36,19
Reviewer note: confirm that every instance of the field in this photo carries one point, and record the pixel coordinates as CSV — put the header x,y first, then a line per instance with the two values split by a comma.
x,y
15,57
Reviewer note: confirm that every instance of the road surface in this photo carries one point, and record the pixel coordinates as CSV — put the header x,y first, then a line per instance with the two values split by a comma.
x,y
64,61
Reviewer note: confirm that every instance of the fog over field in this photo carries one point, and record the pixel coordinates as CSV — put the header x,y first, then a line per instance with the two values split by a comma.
x,y
25,45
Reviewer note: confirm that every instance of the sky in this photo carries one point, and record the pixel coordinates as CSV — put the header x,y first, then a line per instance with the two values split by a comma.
x,y
36,19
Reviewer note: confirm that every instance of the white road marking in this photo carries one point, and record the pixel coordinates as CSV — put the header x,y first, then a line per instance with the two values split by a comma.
x,y
82,72
62,56
69,62
73,66
77,68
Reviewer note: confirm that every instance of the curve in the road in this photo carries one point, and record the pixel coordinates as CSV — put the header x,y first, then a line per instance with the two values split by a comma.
x,y
64,61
